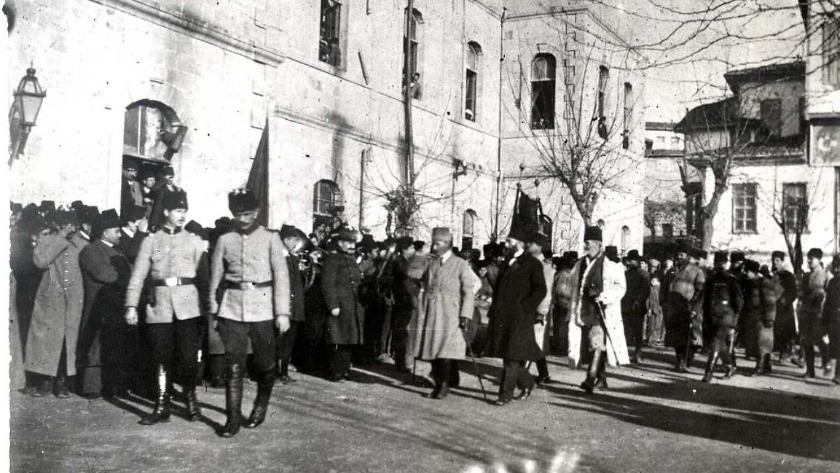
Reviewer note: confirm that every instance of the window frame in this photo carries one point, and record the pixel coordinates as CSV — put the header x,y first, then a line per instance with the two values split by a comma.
x,y
796,208
472,67
413,47
335,57
740,225
831,43
334,198
548,85
628,114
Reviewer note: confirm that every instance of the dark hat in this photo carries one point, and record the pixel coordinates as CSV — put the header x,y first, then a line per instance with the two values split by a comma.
x,y
346,234
778,254
404,243
194,227
698,253
288,231
419,244
31,210
441,233
367,244
737,256
147,172
633,255
77,204
571,255
612,253
105,220
15,207
752,265
721,257
87,214
65,217
130,164
35,224
541,241
175,200
47,206
815,253
242,200
685,247
592,234
134,213
167,171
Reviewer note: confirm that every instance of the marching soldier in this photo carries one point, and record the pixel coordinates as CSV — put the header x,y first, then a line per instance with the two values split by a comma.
x,y
683,302
250,263
723,303
173,317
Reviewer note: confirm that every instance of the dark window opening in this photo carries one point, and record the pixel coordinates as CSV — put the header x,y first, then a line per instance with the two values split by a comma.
x,y
543,77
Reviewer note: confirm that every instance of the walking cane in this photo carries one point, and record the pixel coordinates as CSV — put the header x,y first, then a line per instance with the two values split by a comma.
x,y
477,372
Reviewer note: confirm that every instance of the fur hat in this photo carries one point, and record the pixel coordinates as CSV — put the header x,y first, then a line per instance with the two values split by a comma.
x,y
737,256
175,200
592,234
815,253
242,200
404,242
105,220
721,256
633,255
779,254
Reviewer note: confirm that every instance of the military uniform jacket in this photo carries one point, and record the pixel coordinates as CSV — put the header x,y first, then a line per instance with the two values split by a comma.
x,y
724,299
167,254
256,257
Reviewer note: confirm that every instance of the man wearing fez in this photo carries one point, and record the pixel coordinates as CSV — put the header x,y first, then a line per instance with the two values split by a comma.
x,y
811,298
538,248
134,230
294,241
340,281
405,290
447,306
54,328
596,311
723,302
634,302
683,297
251,265
105,349
171,257
785,326
519,289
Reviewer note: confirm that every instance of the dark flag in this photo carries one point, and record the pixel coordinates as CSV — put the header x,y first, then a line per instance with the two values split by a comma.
x,y
258,177
526,213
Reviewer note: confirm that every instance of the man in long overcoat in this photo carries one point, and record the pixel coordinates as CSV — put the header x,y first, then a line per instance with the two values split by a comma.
x,y
634,302
406,291
340,281
682,290
785,324
105,349
596,311
724,300
538,248
519,290
54,329
448,303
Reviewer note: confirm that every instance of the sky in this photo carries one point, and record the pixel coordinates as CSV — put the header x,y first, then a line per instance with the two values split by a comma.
x,y
690,44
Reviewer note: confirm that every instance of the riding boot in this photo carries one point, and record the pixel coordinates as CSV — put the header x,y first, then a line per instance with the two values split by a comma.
x,y
233,401
593,371
444,378
810,360
193,410
161,412
710,366
264,387
601,380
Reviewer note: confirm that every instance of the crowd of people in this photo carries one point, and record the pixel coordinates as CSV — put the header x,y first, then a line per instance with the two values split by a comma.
x,y
130,302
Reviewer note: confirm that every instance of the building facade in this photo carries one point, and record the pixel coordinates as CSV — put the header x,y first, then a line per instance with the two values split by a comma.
x,y
199,85
665,198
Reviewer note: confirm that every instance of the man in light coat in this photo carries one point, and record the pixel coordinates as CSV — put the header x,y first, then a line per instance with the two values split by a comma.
x,y
54,329
596,312
447,305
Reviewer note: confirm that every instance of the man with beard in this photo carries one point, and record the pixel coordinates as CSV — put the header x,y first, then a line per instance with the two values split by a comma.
x,y
294,241
173,316
105,349
519,289
683,303
723,301
785,325
251,265
634,302
340,281
596,311
449,293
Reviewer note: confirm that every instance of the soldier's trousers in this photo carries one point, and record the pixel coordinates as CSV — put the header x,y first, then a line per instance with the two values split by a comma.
x,y
235,337
400,321
179,340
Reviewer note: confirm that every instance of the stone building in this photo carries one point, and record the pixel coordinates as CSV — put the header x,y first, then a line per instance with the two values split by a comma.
x,y
665,200
198,85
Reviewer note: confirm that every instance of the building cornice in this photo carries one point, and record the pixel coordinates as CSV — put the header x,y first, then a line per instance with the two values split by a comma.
x,y
152,12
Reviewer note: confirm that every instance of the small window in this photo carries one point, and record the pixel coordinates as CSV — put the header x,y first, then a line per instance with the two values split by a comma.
x,y
543,76
744,208
411,49
771,116
625,237
471,86
668,230
468,229
603,79
328,201
628,113
831,52
676,142
795,201
329,49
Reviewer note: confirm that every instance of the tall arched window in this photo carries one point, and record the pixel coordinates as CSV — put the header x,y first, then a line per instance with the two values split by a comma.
x,y
468,229
543,74
327,202
628,113
625,238
411,48
471,81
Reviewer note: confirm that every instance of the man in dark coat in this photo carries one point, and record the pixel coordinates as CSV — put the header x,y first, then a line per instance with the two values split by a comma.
x,y
405,290
340,280
519,289
294,240
133,231
163,188
682,290
723,303
105,348
131,194
831,316
785,325
634,302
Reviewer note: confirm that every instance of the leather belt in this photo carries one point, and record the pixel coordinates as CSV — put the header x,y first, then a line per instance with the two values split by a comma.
x,y
172,282
246,285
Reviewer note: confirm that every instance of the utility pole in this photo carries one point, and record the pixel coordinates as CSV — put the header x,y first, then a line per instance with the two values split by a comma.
x,y
407,79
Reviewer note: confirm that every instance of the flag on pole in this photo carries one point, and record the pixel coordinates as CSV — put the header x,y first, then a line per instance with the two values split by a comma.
x,y
258,177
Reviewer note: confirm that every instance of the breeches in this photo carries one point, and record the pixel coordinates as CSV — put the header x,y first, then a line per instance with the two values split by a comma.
x,y
235,337
180,339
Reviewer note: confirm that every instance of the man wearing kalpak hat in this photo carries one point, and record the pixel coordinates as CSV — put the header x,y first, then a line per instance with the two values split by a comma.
x,y
723,301
105,350
811,298
683,297
171,256
448,302
251,265
596,312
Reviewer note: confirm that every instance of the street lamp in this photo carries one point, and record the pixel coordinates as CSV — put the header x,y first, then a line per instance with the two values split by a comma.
x,y
28,98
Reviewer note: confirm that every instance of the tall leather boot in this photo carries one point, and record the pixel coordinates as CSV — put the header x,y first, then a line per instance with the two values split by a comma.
x,y
193,410
601,379
710,367
593,371
161,412
233,402
810,360
444,377
264,387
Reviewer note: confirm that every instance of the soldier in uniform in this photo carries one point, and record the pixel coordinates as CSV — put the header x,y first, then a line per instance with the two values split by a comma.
x,y
683,303
723,303
251,264
173,316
